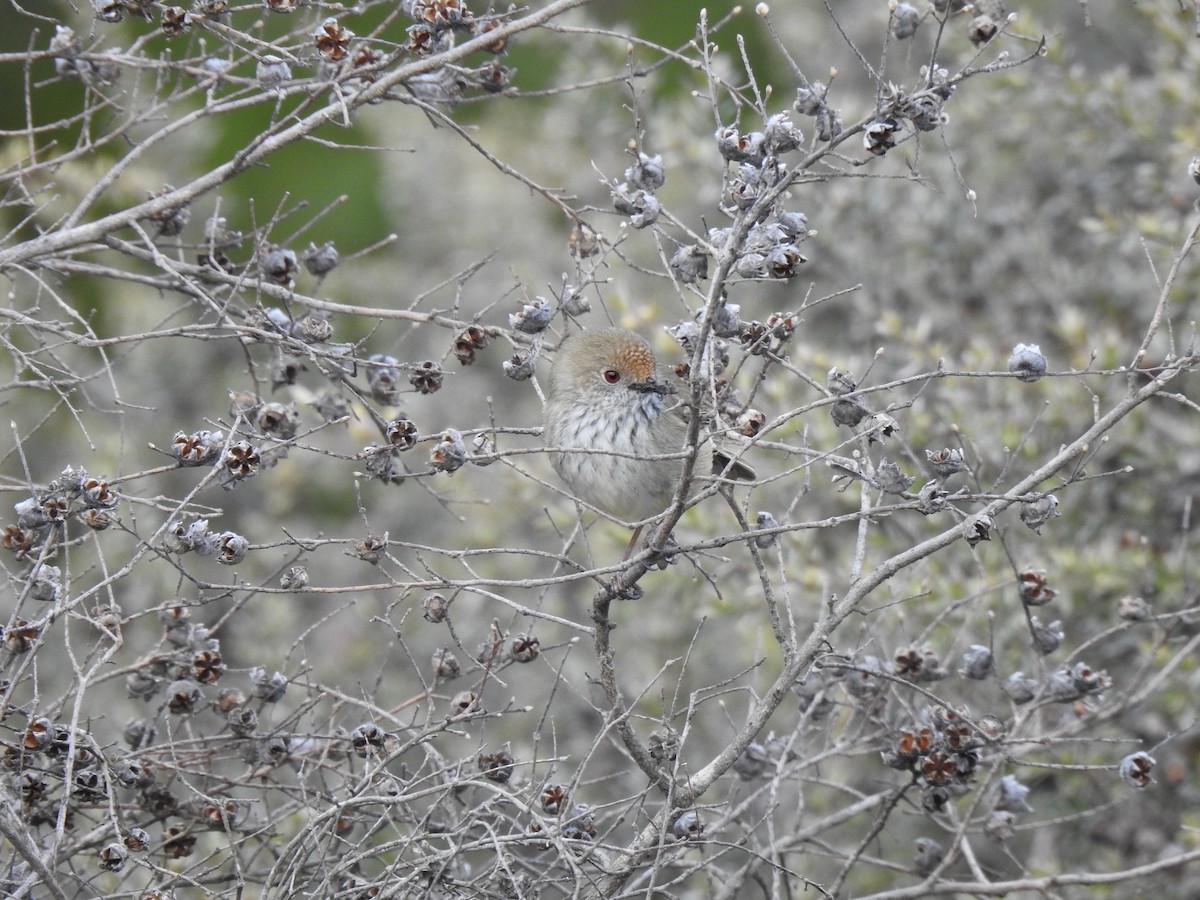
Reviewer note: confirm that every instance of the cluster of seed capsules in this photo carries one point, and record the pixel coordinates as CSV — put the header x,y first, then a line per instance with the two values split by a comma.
x,y
943,754
42,523
73,496
57,772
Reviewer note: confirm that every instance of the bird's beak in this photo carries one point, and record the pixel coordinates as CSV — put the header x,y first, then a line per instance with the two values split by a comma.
x,y
653,386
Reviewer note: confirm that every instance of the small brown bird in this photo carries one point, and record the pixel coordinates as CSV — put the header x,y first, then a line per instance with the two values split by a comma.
x,y
609,397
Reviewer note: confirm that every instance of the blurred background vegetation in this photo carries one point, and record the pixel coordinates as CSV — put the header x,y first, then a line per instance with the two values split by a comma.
x,y
1076,166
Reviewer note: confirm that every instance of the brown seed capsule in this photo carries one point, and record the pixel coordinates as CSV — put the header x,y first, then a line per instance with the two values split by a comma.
x,y
427,378
755,337
483,450
524,648
221,814
945,462
183,698
960,737
278,420
520,366
497,46
229,699
314,327
242,720
20,636
99,519
1135,769
908,663
38,733
750,422
582,242
553,799
332,39
17,540
848,412
178,843
241,460
107,616
468,341
175,21
401,432
371,549
1032,587
208,667
938,767
98,494
978,528
137,840
196,449
435,607
497,766
112,857
367,739
982,29
449,454
294,579
56,509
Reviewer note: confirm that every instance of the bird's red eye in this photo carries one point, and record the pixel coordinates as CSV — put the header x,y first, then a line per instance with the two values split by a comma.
x,y
612,376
